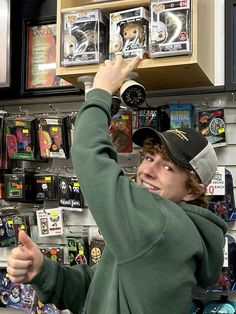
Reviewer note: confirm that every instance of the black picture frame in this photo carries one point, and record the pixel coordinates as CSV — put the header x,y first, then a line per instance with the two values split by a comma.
x,y
230,45
39,60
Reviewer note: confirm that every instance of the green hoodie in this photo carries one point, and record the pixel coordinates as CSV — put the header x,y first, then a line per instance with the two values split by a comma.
x,y
156,251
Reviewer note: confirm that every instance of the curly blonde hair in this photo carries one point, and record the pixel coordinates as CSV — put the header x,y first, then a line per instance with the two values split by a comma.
x,y
192,181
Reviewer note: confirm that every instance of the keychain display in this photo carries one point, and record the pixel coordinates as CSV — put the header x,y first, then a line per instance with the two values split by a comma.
x,y
54,253
70,194
7,234
170,28
20,137
46,187
129,33
50,222
84,37
54,137
96,248
78,250
19,186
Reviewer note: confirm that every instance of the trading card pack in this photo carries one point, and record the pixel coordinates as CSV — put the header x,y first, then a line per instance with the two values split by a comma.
x,y
170,28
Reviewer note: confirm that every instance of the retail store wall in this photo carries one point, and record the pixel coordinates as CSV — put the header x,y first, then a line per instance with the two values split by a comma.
x,y
76,222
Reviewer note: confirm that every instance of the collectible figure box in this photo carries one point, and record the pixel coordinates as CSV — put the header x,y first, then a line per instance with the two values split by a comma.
x,y
20,136
54,137
120,131
212,125
84,37
181,115
170,28
19,186
129,33
46,187
70,194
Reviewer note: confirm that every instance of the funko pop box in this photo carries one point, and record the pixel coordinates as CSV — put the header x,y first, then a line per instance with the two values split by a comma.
x,y
84,37
129,33
170,28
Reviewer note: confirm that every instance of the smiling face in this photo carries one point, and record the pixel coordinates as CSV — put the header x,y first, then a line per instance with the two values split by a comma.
x,y
163,177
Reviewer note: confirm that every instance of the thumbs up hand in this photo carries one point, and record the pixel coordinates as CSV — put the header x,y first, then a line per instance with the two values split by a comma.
x,y
25,261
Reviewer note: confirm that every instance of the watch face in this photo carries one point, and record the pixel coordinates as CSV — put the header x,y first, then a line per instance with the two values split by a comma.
x,y
217,126
134,96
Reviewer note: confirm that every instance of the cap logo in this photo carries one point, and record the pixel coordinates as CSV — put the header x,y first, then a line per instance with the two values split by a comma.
x,y
180,134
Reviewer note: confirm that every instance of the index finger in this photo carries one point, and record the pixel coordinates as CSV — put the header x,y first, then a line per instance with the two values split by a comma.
x,y
133,64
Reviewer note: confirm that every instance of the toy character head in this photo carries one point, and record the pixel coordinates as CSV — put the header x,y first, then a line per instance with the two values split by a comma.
x,y
133,32
69,46
45,143
116,43
159,32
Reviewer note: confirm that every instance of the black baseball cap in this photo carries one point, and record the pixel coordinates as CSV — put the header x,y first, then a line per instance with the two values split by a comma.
x,y
186,147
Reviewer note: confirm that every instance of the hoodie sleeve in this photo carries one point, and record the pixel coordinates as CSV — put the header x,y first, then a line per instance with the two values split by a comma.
x,y
54,282
212,230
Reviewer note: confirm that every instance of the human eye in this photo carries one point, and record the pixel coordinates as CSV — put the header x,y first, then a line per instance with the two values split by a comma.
x,y
148,158
168,166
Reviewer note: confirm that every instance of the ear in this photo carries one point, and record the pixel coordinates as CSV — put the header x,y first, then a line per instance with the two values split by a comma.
x,y
193,196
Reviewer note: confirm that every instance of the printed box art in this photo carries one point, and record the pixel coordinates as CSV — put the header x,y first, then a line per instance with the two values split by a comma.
x,y
50,222
54,137
129,33
170,28
211,124
84,37
120,131
181,115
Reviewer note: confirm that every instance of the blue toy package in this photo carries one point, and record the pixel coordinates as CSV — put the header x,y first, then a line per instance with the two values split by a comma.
x,y
181,115
5,286
196,307
222,306
42,308
22,297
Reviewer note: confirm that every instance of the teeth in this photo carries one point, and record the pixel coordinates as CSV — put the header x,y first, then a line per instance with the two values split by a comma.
x,y
149,186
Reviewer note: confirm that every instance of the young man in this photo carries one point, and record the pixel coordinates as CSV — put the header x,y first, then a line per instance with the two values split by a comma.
x,y
159,246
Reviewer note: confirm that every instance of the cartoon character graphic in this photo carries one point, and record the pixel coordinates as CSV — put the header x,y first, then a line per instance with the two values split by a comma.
x,y
133,35
116,43
159,33
45,143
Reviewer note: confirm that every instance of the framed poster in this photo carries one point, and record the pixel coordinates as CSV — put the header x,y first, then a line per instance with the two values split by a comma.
x,y
5,43
39,59
230,45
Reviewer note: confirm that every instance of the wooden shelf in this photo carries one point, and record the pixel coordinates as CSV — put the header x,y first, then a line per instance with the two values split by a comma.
x,y
195,70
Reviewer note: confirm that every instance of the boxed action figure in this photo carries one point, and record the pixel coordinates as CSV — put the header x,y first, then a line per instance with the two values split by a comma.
x,y
170,28
54,137
84,37
20,136
129,33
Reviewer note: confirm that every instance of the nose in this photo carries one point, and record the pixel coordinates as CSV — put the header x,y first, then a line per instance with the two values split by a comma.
x,y
151,168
